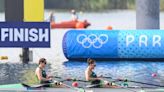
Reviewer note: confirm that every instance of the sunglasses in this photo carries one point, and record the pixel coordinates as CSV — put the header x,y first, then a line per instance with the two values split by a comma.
x,y
45,63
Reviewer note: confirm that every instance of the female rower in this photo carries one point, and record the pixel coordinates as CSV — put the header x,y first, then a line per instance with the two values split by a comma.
x,y
42,75
91,76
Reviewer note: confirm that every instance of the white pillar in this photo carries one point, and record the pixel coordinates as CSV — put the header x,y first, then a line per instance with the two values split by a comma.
x,y
147,14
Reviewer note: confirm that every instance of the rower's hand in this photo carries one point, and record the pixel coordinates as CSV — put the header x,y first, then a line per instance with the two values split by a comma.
x,y
98,78
101,76
49,79
107,83
50,76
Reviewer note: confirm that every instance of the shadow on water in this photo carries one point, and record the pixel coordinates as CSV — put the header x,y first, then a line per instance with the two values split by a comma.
x,y
141,71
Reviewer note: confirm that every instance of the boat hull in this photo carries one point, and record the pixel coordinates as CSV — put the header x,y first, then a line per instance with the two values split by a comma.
x,y
70,24
20,88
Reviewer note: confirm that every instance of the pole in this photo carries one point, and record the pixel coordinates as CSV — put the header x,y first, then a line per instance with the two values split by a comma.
x,y
147,14
14,11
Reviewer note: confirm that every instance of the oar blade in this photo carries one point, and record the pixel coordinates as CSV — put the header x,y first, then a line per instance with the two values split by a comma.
x,y
93,86
34,86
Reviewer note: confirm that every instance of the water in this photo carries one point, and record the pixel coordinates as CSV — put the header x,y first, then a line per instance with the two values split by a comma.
x,y
13,72
131,70
139,71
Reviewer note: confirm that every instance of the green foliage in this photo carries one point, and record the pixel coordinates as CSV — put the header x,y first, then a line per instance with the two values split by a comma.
x,y
89,5
93,5
162,5
98,4
2,3
131,4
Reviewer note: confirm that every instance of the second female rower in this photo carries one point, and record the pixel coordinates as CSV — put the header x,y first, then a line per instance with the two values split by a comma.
x,y
91,76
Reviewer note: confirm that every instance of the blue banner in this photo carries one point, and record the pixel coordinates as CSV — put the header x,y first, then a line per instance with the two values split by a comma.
x,y
95,44
141,44
25,34
119,44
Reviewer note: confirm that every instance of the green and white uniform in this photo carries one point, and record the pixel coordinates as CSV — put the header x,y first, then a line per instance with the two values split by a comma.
x,y
93,75
44,75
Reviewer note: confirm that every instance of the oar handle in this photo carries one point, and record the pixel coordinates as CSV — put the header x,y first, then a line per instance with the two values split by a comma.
x,y
69,79
107,77
57,77
82,81
72,79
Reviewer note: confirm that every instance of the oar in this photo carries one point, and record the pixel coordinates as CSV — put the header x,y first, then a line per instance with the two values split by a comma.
x,y
90,86
42,85
93,85
35,86
47,84
56,77
107,77
125,80
74,88
127,88
68,86
143,83
73,79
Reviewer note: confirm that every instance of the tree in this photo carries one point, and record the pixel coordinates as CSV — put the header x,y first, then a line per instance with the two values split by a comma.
x,y
2,5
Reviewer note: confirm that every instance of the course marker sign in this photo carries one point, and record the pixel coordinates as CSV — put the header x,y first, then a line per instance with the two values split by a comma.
x,y
25,34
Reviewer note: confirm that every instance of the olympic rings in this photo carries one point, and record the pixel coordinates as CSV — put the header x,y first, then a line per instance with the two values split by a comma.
x,y
92,40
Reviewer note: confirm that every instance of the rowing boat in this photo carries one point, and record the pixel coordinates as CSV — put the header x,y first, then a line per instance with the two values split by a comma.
x,y
20,88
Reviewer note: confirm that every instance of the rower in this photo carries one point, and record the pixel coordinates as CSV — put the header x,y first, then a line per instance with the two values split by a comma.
x,y
74,15
91,76
44,78
41,73
51,18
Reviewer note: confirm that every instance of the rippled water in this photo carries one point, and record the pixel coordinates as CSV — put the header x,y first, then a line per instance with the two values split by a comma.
x,y
132,70
11,72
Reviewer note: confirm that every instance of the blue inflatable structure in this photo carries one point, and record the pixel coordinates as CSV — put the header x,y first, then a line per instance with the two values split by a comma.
x,y
114,44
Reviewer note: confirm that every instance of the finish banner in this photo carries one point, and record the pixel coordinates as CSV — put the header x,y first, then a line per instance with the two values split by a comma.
x,y
25,34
